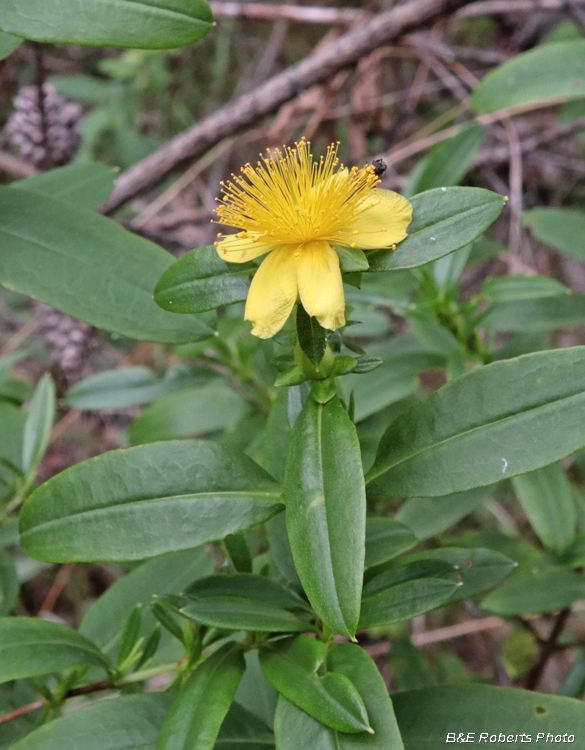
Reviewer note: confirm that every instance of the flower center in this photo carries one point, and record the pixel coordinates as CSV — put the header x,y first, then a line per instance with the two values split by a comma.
x,y
291,198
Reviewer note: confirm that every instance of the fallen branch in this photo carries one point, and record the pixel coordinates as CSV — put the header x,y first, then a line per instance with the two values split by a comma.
x,y
503,7
269,12
249,108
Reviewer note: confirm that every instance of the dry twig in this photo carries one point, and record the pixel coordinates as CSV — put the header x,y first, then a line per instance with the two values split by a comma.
x,y
493,7
273,12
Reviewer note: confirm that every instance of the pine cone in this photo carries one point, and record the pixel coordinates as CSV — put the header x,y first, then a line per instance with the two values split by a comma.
x,y
25,127
69,341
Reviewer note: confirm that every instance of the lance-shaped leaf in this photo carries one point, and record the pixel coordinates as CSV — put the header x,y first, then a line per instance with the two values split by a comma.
x,y
513,288
326,512
201,281
562,228
291,666
9,583
87,183
130,386
295,729
498,421
245,602
477,570
428,516
13,421
541,592
547,499
146,24
141,502
543,314
197,714
312,337
385,539
447,162
428,717
89,267
38,425
406,589
545,74
444,220
242,730
30,647
167,574
131,722
8,43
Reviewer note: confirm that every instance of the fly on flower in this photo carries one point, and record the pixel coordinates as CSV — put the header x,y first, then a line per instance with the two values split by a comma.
x,y
297,210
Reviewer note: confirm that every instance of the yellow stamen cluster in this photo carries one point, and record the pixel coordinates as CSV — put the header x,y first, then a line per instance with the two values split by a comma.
x,y
288,197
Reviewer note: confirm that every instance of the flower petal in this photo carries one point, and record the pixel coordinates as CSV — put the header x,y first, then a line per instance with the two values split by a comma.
x,y
273,292
234,249
320,284
382,223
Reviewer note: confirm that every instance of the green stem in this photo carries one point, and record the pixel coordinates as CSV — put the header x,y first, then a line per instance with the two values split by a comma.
x,y
146,674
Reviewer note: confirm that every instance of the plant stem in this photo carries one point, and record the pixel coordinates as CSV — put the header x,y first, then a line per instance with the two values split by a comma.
x,y
546,650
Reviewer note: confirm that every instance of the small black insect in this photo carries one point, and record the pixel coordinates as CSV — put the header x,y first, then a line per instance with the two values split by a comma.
x,y
379,167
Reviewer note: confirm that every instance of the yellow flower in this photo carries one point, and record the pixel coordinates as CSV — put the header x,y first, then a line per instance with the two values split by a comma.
x,y
297,210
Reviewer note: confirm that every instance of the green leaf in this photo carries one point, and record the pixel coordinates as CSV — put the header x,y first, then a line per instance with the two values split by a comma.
x,y
167,574
242,730
429,717
410,667
30,647
405,590
15,390
8,43
447,270
387,384
562,228
444,220
549,73
447,163
352,259
244,602
38,425
429,516
201,281
87,266
121,506
9,585
146,24
131,386
547,499
197,714
434,337
11,435
291,666
193,411
385,539
533,594
131,722
477,569
481,427
326,512
295,729
512,288
537,314
238,553
312,337
87,184
255,693
130,634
